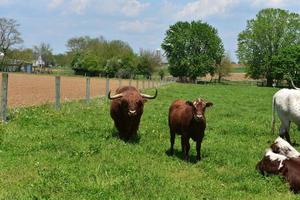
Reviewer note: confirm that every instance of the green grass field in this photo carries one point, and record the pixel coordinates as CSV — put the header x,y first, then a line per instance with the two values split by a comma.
x,y
238,70
74,153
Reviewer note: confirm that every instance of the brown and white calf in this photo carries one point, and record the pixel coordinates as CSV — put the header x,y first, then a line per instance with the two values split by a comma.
x,y
187,119
280,164
282,147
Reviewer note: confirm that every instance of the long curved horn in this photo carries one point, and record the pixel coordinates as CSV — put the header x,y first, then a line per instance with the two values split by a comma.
x,y
146,96
293,83
116,96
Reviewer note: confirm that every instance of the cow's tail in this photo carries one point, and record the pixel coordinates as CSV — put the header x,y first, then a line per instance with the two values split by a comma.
x,y
293,83
273,115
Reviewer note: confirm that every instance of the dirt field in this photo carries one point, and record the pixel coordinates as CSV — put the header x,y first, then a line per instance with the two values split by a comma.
x,y
28,90
232,77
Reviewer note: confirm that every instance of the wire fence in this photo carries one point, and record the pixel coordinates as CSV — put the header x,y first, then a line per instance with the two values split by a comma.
x,y
22,90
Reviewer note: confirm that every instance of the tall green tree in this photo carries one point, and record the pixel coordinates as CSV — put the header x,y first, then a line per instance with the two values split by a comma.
x,y
148,62
224,67
96,56
287,63
269,32
192,49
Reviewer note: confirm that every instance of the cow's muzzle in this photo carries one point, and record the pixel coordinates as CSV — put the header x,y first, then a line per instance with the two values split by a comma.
x,y
132,113
198,117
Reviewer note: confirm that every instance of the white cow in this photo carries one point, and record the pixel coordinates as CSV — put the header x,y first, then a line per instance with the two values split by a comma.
x,y
287,104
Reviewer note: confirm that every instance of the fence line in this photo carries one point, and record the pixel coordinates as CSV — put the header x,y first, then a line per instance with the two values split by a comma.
x,y
60,92
57,92
4,90
88,90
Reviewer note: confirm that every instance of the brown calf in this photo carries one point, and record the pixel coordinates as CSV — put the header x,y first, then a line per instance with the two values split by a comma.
x,y
188,120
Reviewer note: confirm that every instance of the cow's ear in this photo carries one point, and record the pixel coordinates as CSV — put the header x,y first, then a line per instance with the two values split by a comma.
x,y
189,103
209,104
275,148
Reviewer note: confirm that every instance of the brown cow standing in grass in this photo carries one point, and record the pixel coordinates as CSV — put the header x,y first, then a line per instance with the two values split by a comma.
x,y
126,110
188,120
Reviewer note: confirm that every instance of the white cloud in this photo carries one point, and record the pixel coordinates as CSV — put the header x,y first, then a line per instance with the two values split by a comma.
x,y
133,7
55,3
205,8
79,6
272,3
5,2
136,26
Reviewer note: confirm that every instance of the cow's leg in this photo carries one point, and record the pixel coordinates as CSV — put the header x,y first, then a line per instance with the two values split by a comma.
x,y
198,149
287,135
172,141
284,131
185,145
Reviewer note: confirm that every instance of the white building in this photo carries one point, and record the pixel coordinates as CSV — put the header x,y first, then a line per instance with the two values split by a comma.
x,y
39,62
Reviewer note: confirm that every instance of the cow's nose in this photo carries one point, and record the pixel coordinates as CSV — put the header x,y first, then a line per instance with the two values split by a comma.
x,y
199,116
132,112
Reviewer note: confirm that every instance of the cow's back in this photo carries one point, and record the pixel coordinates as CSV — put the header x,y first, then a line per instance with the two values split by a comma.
x,y
180,115
287,105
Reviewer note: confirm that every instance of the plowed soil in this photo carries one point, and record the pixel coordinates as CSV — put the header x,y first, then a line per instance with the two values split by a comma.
x,y
28,90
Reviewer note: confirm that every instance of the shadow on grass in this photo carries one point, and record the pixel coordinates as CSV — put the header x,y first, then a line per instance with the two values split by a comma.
x,y
179,155
135,139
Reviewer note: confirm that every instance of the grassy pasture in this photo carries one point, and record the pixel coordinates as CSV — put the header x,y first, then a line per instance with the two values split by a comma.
x,y
73,153
238,70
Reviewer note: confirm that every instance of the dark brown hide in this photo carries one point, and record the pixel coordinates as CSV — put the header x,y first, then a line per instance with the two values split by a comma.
x,y
126,111
188,120
289,168
291,173
267,166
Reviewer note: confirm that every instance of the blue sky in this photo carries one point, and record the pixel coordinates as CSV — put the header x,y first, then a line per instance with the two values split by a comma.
x,y
140,23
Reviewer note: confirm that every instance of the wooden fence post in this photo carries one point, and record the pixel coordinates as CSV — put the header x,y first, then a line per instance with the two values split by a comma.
x,y
4,90
120,82
153,81
137,83
143,84
57,92
88,89
107,87
148,83
130,82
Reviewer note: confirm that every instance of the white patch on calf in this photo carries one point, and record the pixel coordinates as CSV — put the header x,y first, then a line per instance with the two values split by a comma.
x,y
275,157
286,149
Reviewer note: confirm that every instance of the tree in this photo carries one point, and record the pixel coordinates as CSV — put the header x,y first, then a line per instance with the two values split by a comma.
x,y
62,59
224,68
9,36
287,63
96,56
21,54
271,31
148,61
161,74
45,51
192,49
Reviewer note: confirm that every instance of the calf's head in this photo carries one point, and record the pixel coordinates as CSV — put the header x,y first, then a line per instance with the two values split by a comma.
x,y
282,147
272,163
199,107
131,103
